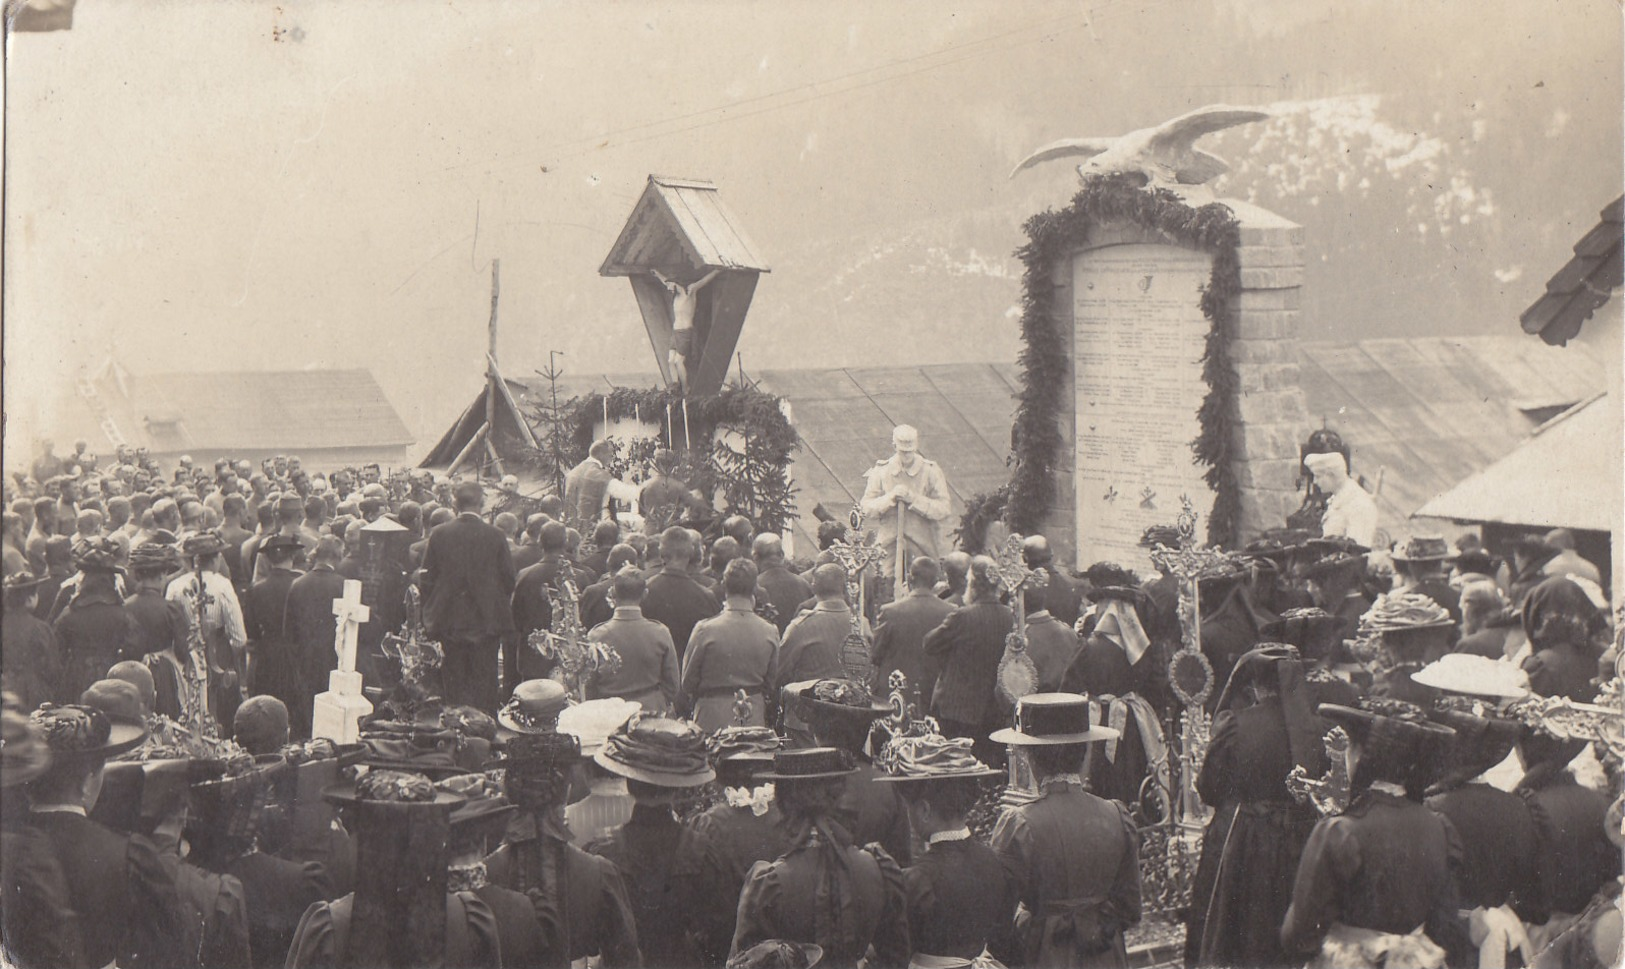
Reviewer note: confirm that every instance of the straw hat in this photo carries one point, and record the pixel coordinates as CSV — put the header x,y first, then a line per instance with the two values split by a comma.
x,y
534,707
1423,548
810,764
1051,719
73,731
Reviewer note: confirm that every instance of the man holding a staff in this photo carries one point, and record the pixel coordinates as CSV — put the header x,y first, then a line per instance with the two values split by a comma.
x,y
906,490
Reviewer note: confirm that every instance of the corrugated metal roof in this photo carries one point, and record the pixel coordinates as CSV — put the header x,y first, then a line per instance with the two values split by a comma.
x,y
1422,413
239,410
1584,283
1566,476
681,221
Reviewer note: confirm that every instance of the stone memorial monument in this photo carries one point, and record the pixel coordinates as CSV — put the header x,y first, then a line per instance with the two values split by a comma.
x,y
1140,276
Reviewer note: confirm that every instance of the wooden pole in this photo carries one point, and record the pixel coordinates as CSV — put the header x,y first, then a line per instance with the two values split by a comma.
x,y
468,449
491,374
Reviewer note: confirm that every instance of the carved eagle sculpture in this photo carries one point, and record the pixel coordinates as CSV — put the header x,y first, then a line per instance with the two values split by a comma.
x,y
1166,153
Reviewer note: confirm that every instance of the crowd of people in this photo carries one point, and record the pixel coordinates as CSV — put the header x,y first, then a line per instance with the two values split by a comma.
x,y
722,784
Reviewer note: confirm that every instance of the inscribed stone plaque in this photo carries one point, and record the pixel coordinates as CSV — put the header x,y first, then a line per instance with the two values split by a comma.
x,y
1139,333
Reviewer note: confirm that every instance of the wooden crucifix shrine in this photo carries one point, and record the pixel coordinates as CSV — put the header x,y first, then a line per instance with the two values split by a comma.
x,y
693,272
338,711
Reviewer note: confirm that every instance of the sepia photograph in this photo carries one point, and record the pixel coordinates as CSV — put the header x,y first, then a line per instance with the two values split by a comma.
x,y
775,484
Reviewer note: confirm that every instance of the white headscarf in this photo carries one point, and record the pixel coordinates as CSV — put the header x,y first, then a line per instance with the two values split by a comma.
x,y
1120,624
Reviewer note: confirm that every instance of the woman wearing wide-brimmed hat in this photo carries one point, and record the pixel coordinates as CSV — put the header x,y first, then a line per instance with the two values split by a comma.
x,y
95,629
582,893
842,713
122,899
662,759
1074,857
402,911
1499,880
1377,883
960,900
743,828
35,887
1265,727
824,890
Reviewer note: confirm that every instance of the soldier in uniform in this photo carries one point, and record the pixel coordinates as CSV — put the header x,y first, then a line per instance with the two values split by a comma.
x,y
913,485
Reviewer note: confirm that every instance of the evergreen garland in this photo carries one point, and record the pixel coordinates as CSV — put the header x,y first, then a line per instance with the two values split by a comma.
x,y
753,482
1103,199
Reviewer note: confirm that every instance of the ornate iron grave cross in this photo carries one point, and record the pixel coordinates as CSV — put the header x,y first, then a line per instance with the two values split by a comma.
x,y
579,660
856,555
1017,675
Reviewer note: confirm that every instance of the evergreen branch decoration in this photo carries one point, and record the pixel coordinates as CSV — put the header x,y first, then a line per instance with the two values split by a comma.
x,y
753,481
1037,433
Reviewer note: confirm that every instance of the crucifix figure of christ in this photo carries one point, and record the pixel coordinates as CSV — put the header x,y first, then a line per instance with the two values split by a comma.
x,y
338,711
685,300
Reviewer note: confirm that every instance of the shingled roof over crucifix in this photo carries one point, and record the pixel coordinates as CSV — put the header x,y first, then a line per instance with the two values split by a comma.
x,y
681,228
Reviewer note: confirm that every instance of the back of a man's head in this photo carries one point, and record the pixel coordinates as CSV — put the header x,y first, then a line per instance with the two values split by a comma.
x,y
554,537
605,534
329,550
739,527
572,540
676,549
409,514
603,451
723,551
984,576
627,587
739,578
621,556
1560,538
955,566
290,509
551,505
441,516
234,507
923,573
508,523
261,725
316,508
767,549
829,581
829,533
469,496
89,522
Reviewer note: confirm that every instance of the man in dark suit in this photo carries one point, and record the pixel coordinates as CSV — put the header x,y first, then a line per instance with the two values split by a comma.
x,y
776,585
310,626
586,487
1062,597
902,628
271,652
467,581
532,610
969,645
676,598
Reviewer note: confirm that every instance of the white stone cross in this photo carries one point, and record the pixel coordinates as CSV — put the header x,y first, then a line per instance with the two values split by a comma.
x,y
350,614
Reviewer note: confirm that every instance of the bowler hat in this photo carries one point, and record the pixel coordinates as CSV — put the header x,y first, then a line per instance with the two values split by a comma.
x,y
1050,719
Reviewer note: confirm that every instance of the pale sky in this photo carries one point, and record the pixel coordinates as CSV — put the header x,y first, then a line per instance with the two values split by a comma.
x,y
248,185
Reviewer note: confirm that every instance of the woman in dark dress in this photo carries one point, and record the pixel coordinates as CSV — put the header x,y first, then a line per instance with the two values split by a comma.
x,y
960,901
1250,850
1499,879
660,758
1563,627
384,922
824,889
1377,883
